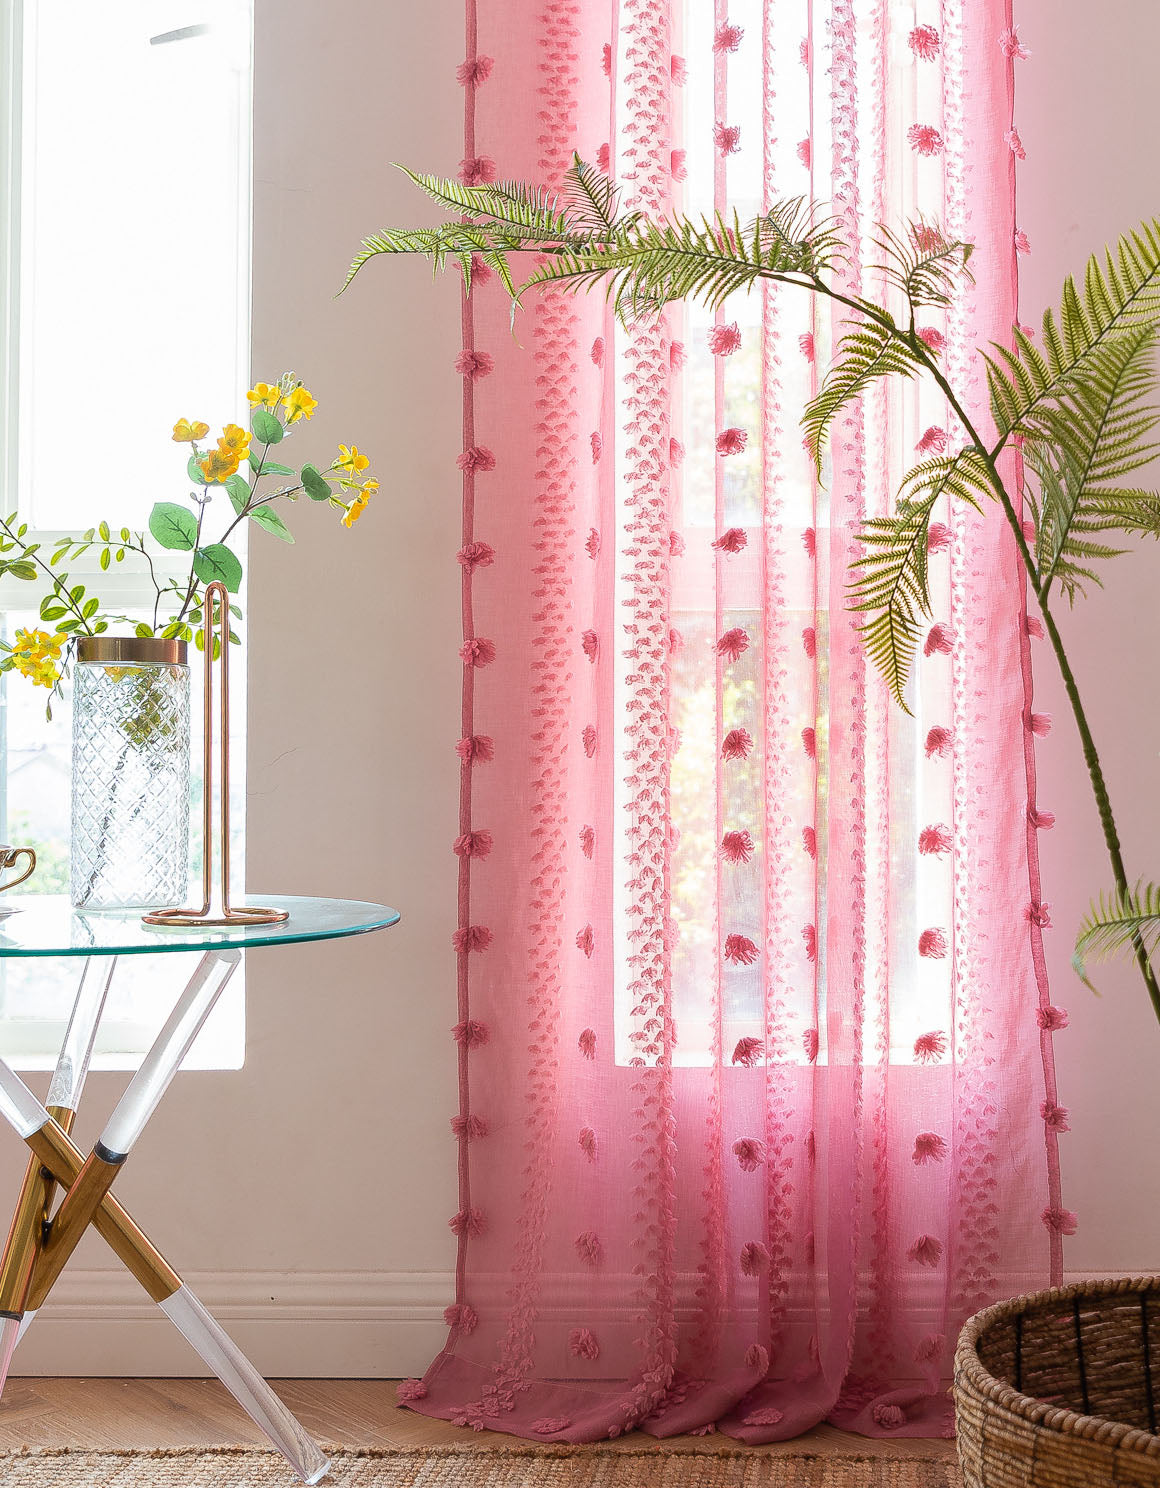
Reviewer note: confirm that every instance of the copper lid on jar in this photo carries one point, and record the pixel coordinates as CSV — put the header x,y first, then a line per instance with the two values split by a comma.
x,y
132,650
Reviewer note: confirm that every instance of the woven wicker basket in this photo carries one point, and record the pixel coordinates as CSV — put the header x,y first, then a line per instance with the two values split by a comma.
x,y
1061,1389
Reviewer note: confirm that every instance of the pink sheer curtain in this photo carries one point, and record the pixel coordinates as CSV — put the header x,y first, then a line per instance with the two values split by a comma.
x,y
756,1090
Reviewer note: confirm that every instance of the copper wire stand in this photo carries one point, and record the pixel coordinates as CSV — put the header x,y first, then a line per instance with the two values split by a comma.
x,y
223,913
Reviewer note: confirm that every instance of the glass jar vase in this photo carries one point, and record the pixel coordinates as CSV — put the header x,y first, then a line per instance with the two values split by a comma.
x,y
130,773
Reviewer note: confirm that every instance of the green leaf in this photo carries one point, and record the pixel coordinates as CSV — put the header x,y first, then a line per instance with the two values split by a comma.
x,y
1121,293
268,467
267,429
314,485
22,570
889,580
194,470
91,607
1117,923
144,631
173,526
867,351
218,562
238,490
267,517
590,197
105,559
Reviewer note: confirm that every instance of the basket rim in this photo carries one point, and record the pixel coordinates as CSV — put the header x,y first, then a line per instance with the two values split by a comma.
x,y
1038,1414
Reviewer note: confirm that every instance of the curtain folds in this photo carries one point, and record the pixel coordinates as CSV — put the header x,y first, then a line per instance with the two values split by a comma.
x,y
754,1038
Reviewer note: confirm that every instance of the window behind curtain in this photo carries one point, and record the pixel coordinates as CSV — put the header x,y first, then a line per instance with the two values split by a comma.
x,y
700,412
124,266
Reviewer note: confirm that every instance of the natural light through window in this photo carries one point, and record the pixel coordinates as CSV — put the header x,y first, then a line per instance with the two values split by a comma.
x,y
125,264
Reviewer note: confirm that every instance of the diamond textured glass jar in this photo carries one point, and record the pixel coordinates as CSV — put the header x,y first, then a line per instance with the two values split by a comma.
x,y
130,784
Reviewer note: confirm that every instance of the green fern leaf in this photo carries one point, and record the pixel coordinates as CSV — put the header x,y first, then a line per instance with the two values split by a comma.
x,y
890,579
457,242
868,351
1080,444
1116,923
1121,294
590,198
925,266
531,211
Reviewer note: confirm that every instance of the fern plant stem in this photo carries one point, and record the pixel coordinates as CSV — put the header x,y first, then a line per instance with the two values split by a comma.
x,y
990,458
1103,803
1090,752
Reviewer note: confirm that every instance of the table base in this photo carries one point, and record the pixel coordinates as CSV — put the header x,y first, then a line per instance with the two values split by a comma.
x,y
41,1240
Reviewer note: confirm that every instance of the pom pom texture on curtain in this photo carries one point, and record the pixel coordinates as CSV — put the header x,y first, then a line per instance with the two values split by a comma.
x,y
755,1040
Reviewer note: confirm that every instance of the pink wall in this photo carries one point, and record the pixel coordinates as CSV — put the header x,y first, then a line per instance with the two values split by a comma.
x,y
1085,98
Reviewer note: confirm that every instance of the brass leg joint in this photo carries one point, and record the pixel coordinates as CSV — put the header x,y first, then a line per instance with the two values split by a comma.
x,y
128,1242
77,1211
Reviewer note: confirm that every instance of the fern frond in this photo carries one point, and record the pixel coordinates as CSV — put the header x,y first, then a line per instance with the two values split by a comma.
x,y
647,265
1081,443
927,267
590,198
1120,511
891,576
532,211
961,477
867,351
1121,294
458,242
793,237
1119,922
890,579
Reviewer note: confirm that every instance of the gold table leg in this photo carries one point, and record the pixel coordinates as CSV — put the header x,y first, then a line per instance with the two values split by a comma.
x,y
54,1150
26,1235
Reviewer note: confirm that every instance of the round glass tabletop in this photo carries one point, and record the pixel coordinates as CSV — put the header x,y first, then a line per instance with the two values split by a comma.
x,y
47,925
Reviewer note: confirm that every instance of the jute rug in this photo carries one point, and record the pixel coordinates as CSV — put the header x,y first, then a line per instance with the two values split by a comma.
x,y
459,1467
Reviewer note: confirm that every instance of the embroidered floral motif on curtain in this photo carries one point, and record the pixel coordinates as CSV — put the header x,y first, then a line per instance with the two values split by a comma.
x,y
756,1090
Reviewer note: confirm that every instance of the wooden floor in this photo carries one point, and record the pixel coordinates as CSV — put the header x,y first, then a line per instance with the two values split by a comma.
x,y
142,1413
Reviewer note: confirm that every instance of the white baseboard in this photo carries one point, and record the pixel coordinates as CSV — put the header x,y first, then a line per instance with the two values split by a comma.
x,y
320,1324
312,1324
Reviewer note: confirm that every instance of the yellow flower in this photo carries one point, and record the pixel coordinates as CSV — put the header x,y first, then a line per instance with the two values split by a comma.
x,y
218,465
185,433
350,459
360,503
299,404
265,393
36,654
234,439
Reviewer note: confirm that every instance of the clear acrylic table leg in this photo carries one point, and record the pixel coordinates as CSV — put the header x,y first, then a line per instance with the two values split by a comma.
x,y
169,1048
36,1192
76,1052
245,1384
32,1120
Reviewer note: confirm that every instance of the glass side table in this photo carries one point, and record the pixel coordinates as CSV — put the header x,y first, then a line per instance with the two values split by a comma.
x,y
40,1241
